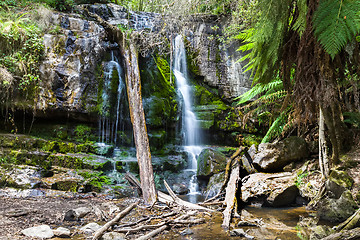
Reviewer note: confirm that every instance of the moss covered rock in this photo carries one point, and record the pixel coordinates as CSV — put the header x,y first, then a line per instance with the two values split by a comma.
x,y
210,162
337,210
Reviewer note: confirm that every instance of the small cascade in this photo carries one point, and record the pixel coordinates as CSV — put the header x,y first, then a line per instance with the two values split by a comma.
x,y
111,119
190,126
112,94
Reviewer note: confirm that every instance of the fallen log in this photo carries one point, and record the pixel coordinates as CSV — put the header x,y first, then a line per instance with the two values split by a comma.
x,y
98,234
230,197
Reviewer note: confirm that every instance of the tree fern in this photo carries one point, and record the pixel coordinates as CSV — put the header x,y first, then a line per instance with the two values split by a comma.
x,y
300,22
276,127
336,23
260,88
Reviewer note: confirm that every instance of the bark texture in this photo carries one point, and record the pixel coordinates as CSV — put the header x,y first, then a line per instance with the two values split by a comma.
x,y
133,86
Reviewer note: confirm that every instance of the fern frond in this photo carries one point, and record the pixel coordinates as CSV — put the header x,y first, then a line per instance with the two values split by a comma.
x,y
276,127
259,89
300,23
336,23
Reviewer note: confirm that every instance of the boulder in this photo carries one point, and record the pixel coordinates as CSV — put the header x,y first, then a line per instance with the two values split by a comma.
x,y
180,188
272,157
215,183
276,190
337,210
42,232
210,162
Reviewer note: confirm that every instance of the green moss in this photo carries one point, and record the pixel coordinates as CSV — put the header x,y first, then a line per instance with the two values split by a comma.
x,y
250,139
66,147
66,161
341,178
96,179
51,146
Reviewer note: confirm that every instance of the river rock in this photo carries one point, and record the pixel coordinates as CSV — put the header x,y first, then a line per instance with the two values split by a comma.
x,y
113,236
90,228
337,210
180,188
62,232
276,190
272,157
240,233
76,214
210,162
42,231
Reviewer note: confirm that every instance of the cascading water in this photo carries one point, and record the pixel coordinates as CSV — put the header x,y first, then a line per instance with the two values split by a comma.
x,y
110,116
190,126
110,111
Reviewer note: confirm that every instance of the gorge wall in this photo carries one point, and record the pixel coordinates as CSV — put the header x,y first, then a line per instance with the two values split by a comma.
x,y
76,50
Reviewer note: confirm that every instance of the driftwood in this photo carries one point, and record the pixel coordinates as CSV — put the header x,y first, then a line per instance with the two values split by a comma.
x,y
153,233
230,197
104,228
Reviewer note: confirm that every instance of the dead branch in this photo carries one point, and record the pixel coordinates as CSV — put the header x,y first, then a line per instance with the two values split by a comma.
x,y
181,202
153,233
140,228
104,228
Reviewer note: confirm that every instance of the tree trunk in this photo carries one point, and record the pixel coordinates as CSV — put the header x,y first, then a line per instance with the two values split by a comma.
x,y
323,153
336,130
133,85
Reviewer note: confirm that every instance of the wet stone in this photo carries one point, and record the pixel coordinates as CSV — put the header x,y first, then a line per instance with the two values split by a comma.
x,y
90,228
62,232
42,231
240,233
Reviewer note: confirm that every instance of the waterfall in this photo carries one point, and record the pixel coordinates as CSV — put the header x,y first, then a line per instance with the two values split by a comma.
x,y
190,126
109,120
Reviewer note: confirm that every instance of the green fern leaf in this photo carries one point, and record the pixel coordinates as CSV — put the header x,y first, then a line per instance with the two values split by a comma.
x,y
300,22
336,23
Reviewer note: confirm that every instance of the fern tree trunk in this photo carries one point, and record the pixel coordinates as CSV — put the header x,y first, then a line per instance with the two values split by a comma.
x,y
336,129
323,153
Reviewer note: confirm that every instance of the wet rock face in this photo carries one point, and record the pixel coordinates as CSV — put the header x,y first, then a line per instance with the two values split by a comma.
x,y
217,63
68,70
272,157
276,190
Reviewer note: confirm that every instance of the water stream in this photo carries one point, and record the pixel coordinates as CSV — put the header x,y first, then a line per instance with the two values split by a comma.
x,y
190,126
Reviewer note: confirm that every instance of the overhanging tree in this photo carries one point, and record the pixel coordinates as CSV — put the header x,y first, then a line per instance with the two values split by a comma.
x,y
308,37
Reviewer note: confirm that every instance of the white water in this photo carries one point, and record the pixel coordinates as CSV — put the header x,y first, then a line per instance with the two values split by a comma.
x,y
108,123
190,126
